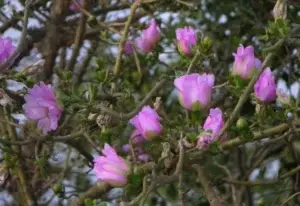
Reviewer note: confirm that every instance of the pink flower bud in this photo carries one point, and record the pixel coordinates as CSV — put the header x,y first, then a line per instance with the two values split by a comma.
x,y
186,40
73,7
149,38
212,125
245,62
41,105
111,168
265,87
195,90
128,48
136,137
6,48
146,122
144,157
126,148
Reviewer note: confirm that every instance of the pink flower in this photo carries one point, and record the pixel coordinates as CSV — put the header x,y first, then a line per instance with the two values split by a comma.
x,y
265,87
146,122
41,105
149,38
195,90
6,48
128,48
245,62
111,168
186,40
212,125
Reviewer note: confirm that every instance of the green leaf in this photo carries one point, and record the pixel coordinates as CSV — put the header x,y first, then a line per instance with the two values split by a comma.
x,y
192,136
103,204
213,147
135,179
197,115
89,202
179,73
239,82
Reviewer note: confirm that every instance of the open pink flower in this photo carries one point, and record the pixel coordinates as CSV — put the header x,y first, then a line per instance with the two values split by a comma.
x,y
195,90
186,40
149,38
212,125
146,123
265,87
41,105
245,62
111,168
6,48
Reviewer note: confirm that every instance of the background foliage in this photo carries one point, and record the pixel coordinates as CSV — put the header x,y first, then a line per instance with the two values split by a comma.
x,y
257,166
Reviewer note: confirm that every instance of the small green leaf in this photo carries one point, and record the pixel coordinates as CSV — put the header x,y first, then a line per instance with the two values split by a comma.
x,y
179,73
89,202
239,82
192,136
213,147
197,115
135,179
102,204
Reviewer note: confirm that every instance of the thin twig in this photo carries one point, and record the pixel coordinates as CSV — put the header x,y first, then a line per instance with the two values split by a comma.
x,y
233,190
94,192
194,60
210,193
138,65
42,139
256,136
136,200
26,195
123,39
132,150
89,139
78,39
122,116
290,198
